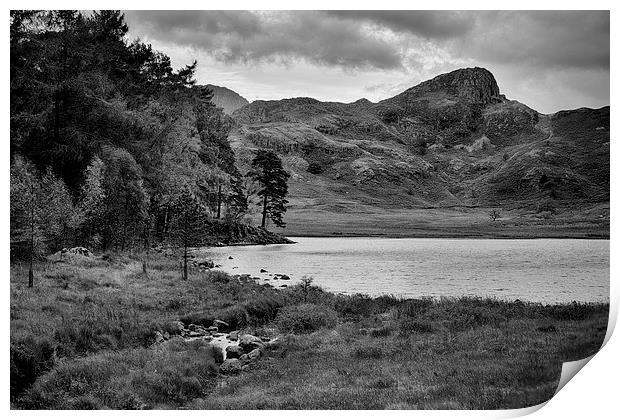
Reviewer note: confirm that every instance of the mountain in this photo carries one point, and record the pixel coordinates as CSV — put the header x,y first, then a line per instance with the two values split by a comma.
x,y
449,148
227,99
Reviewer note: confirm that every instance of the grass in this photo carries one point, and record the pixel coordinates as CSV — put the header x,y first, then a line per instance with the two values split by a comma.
x,y
83,338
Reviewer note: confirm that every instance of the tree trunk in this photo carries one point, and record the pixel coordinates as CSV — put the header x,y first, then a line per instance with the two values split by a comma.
x,y
31,251
146,245
219,200
185,247
264,211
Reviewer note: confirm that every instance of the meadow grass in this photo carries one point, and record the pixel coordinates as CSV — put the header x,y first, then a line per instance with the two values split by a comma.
x,y
83,338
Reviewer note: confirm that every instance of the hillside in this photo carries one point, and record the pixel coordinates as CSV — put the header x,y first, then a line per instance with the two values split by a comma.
x,y
227,99
448,144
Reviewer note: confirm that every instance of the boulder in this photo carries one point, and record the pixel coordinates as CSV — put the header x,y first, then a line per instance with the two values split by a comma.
x,y
221,325
254,355
213,329
249,342
192,327
78,250
230,258
230,366
284,277
234,352
262,270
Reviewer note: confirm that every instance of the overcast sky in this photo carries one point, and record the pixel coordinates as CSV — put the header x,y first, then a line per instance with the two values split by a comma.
x,y
548,60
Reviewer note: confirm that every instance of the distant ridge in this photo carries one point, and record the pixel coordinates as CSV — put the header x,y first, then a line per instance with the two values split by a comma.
x,y
227,99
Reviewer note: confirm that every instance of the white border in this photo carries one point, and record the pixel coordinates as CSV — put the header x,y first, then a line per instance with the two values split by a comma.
x,y
593,393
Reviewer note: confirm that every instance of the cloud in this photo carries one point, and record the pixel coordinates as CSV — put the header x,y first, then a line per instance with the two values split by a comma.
x,y
425,23
256,37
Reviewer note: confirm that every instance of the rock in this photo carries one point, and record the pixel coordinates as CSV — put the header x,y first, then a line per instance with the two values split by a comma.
x,y
194,334
230,258
78,250
212,329
166,335
206,264
233,336
221,325
262,270
245,368
249,342
159,337
284,277
254,355
192,327
234,352
244,359
230,366
283,285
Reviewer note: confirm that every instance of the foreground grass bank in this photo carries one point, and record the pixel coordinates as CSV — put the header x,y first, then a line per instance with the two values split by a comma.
x,y
85,337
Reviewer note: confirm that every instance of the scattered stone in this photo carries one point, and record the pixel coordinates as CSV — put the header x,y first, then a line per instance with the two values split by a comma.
x,y
230,258
234,352
249,342
245,368
363,331
166,335
218,334
230,366
194,334
283,285
233,336
206,264
284,277
244,359
192,327
262,270
212,329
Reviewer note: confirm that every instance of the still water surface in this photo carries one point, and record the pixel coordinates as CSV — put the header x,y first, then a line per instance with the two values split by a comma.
x,y
538,270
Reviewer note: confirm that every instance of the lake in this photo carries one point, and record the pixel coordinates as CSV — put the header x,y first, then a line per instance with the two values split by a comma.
x,y
538,270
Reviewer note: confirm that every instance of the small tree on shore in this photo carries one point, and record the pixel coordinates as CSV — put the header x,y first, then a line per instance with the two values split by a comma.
x,y
42,212
267,171
494,214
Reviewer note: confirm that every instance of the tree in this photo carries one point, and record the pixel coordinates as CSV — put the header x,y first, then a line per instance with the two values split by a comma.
x,y
41,212
494,214
126,201
267,171
187,224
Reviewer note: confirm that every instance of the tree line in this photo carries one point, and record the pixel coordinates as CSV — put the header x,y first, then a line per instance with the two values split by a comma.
x,y
112,148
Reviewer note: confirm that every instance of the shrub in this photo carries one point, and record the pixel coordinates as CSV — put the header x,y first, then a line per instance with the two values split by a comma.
x,y
413,308
30,358
315,168
305,318
172,374
380,332
355,306
408,327
368,352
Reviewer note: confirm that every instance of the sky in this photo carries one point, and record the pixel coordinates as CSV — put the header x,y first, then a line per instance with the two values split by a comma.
x,y
549,60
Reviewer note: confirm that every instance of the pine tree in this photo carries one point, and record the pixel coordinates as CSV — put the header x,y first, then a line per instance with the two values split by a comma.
x,y
268,172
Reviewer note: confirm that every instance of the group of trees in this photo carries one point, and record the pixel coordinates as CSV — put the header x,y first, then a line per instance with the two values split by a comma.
x,y
110,146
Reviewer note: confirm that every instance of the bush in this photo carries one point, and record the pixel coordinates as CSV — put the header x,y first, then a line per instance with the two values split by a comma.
x,y
368,352
173,374
315,168
408,327
30,358
413,308
305,318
